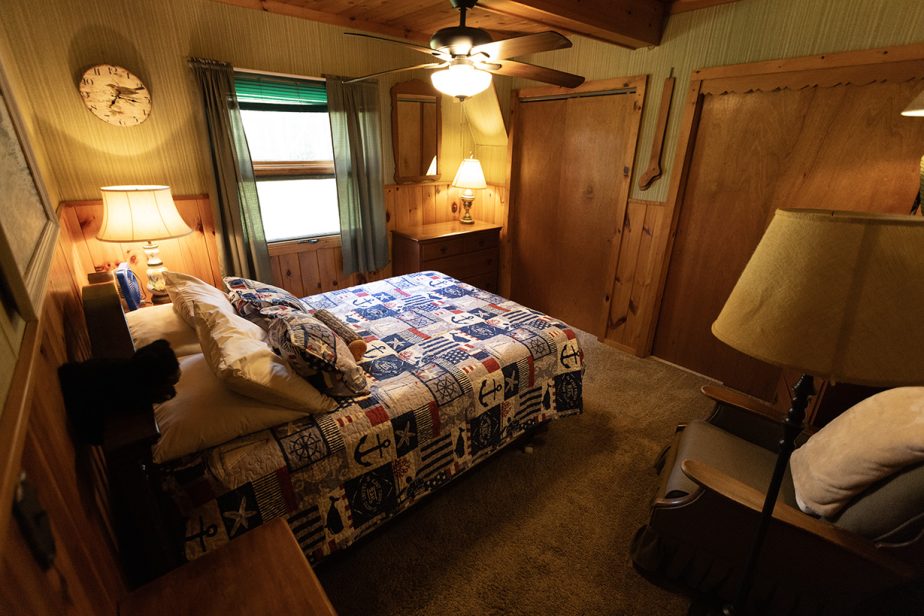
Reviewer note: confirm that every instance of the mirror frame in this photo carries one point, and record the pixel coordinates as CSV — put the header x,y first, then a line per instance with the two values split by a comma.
x,y
420,88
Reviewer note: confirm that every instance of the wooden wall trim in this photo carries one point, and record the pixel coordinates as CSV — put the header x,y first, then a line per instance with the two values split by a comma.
x,y
15,420
878,56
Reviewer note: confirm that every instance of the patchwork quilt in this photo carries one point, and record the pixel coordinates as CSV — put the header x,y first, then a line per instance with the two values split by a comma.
x,y
455,374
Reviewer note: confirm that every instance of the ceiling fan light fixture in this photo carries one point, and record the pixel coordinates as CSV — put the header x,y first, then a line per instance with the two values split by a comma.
x,y
461,80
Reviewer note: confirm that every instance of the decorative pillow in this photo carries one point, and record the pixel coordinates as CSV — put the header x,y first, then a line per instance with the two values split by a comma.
x,y
259,302
869,442
316,353
185,291
246,364
162,322
205,413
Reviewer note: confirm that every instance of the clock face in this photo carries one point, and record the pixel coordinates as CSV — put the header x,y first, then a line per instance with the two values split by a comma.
x,y
115,95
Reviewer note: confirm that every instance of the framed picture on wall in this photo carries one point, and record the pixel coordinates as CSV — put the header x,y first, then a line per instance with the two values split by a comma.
x,y
28,224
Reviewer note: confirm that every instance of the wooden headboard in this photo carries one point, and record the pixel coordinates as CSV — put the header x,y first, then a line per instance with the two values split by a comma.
x,y
195,254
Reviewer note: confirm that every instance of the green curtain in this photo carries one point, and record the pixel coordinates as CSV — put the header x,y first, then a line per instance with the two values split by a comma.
x,y
356,134
242,243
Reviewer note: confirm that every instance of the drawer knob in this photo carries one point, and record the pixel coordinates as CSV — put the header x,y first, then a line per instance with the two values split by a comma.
x,y
442,249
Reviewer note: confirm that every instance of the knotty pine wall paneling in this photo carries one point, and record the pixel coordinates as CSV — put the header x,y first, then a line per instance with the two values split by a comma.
x,y
195,254
69,479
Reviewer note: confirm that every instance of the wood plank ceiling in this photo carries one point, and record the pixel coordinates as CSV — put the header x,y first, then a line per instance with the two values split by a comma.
x,y
628,23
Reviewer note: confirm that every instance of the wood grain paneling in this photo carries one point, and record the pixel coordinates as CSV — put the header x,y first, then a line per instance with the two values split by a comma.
x,y
68,478
840,147
573,159
195,254
316,266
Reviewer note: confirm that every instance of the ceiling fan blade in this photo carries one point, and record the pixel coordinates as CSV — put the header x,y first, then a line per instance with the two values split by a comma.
x,y
509,68
398,70
522,45
432,52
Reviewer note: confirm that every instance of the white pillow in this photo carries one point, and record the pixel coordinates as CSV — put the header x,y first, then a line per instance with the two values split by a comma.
x,y
205,413
869,442
237,353
185,291
149,324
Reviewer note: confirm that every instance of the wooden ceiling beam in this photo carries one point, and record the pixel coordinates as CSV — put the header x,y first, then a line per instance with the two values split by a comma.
x,y
682,6
629,23
292,9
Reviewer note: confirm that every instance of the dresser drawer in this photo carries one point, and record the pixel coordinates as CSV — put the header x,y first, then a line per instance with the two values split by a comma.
x,y
447,247
481,241
466,265
488,282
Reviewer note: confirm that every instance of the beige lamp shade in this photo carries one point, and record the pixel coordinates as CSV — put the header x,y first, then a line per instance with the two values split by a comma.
x,y
139,214
470,175
916,108
838,295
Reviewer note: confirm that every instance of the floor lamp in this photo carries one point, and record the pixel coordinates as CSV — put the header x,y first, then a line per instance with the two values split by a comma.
x,y
837,295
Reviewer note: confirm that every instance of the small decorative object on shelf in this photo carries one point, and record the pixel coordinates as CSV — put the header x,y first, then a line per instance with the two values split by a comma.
x,y
143,213
470,177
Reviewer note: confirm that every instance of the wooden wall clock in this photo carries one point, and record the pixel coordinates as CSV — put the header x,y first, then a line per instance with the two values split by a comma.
x,y
115,95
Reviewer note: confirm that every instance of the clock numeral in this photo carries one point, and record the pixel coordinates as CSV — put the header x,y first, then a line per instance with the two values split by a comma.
x,y
86,81
96,71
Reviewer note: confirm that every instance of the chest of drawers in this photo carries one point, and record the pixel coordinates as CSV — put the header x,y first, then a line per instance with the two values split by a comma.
x,y
467,252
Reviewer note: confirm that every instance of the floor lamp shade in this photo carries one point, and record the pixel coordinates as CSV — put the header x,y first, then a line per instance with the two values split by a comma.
x,y
837,295
139,214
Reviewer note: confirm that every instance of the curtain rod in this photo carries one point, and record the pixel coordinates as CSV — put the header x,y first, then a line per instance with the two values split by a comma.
x,y
557,97
254,71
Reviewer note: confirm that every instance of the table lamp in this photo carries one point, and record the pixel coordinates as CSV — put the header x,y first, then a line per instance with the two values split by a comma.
x,y
470,177
837,295
142,214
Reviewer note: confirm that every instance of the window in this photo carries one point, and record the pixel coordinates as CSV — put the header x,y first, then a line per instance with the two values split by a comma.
x,y
288,131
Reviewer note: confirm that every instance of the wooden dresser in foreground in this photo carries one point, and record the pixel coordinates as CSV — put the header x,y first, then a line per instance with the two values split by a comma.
x,y
467,252
262,572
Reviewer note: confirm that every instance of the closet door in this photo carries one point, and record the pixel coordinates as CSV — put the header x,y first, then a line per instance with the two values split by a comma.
x,y
572,162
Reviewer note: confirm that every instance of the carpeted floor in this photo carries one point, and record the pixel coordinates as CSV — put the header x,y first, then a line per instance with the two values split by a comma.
x,y
546,533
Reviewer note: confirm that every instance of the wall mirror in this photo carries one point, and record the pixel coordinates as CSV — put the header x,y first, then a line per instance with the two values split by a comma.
x,y
416,126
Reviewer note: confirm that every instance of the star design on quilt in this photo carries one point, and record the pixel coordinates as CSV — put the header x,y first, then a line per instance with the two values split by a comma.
x,y
512,382
240,517
404,436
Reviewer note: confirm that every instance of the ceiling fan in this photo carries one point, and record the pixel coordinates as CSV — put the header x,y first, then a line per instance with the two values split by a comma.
x,y
467,57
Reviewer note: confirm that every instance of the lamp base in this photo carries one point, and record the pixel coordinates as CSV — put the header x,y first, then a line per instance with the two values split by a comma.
x,y
467,201
157,285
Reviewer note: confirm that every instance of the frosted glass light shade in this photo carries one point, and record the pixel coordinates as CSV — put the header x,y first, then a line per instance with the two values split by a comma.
x,y
833,294
470,175
139,214
461,80
916,108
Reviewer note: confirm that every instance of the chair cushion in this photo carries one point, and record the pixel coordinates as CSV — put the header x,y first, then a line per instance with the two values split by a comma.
x,y
736,457
869,442
891,511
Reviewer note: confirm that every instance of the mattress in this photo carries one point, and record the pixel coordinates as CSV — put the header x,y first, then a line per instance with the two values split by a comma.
x,y
456,373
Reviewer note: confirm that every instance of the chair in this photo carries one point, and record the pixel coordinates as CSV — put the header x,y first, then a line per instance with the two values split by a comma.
x,y
704,517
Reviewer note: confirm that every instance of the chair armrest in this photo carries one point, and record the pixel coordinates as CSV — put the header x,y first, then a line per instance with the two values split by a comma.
x,y
716,481
731,397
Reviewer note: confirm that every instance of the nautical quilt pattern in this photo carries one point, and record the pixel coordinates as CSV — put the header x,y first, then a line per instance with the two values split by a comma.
x,y
455,373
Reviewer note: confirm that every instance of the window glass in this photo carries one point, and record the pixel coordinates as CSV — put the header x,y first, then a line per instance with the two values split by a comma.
x,y
298,208
287,135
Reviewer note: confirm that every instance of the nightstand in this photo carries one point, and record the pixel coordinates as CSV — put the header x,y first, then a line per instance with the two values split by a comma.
x,y
467,252
262,572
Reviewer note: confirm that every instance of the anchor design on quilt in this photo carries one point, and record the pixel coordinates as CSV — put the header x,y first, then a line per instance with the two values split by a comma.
x,y
359,454
459,319
566,357
363,302
484,394
204,532
376,349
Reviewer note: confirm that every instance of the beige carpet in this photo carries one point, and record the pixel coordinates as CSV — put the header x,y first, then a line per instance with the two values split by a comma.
x,y
546,533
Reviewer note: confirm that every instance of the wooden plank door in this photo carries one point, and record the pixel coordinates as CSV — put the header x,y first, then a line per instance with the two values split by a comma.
x,y
570,177
843,147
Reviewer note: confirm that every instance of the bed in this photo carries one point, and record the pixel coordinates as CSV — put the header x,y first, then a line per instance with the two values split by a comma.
x,y
455,374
